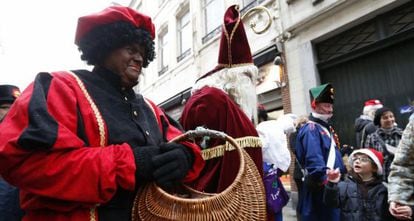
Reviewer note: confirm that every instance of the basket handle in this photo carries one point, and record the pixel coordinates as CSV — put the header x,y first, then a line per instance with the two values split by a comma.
x,y
201,132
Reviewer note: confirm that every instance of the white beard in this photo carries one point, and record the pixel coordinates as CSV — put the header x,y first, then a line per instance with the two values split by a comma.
x,y
237,85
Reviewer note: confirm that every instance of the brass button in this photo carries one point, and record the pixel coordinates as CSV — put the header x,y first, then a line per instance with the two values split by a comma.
x,y
135,113
147,133
126,98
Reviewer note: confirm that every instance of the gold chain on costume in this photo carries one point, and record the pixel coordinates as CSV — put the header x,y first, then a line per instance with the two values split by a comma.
x,y
336,138
243,142
101,128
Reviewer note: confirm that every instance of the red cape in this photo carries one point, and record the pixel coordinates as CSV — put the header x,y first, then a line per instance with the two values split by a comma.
x,y
213,109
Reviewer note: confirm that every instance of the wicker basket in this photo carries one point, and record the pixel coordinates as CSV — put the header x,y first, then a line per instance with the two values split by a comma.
x,y
244,199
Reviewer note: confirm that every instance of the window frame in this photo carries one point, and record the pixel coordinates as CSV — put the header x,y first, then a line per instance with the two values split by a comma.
x,y
209,34
162,47
181,28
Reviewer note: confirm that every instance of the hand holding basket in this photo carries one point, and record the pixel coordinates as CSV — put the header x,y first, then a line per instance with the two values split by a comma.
x,y
244,199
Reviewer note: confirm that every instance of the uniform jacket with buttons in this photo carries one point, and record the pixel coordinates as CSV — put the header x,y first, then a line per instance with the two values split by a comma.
x,y
312,150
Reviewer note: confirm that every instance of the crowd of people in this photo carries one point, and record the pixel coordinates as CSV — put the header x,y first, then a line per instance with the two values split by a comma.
x,y
78,145
374,186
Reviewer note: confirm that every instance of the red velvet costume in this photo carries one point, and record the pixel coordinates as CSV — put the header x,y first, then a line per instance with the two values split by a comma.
x,y
61,176
213,109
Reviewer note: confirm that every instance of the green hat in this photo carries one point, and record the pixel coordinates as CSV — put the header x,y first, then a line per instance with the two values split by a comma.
x,y
322,94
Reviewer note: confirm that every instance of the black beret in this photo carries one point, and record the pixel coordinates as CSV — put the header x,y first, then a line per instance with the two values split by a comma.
x,y
8,93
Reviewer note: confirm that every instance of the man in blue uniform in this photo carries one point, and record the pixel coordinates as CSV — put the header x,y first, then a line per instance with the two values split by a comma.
x,y
316,150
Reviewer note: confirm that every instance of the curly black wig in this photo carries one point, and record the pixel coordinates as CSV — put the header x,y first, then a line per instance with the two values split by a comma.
x,y
102,40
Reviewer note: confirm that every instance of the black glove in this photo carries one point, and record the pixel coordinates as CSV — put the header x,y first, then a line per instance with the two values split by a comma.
x,y
172,165
143,161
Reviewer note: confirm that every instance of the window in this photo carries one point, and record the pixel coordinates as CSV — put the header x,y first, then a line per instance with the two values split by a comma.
x,y
162,52
213,18
184,36
160,2
248,4
138,5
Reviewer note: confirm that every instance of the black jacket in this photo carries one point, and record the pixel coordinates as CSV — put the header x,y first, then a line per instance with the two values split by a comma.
x,y
358,200
363,127
9,202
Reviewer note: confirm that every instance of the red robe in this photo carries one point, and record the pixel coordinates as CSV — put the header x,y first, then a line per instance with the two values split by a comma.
x,y
213,109
68,179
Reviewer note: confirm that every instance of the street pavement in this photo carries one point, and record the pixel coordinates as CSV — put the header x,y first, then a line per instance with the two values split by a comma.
x,y
289,213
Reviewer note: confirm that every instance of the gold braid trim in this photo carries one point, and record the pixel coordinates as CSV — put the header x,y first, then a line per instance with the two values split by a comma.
x,y
95,110
101,128
92,216
243,142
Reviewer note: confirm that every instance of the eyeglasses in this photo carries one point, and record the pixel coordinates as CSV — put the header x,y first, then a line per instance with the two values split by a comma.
x,y
361,159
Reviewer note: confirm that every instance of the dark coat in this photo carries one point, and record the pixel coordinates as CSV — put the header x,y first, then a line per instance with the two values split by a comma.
x,y
363,128
359,201
379,139
9,202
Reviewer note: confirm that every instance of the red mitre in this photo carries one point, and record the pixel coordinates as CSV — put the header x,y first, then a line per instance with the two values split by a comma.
x,y
234,47
110,15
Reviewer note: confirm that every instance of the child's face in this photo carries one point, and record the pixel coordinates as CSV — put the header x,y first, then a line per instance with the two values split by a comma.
x,y
362,164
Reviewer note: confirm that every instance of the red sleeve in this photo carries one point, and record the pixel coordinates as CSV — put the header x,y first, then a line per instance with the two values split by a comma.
x,y
172,132
42,153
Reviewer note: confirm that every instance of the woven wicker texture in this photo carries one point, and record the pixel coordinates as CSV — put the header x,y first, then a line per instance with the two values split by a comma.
x,y
244,199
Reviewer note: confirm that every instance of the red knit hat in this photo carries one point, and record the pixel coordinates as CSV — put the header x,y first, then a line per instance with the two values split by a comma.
x,y
375,156
372,105
110,15
234,47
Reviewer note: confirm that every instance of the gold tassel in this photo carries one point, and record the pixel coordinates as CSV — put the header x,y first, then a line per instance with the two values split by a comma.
x,y
243,142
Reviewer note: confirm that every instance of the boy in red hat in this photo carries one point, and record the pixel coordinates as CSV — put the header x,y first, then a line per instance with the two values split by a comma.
x,y
362,196
78,144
